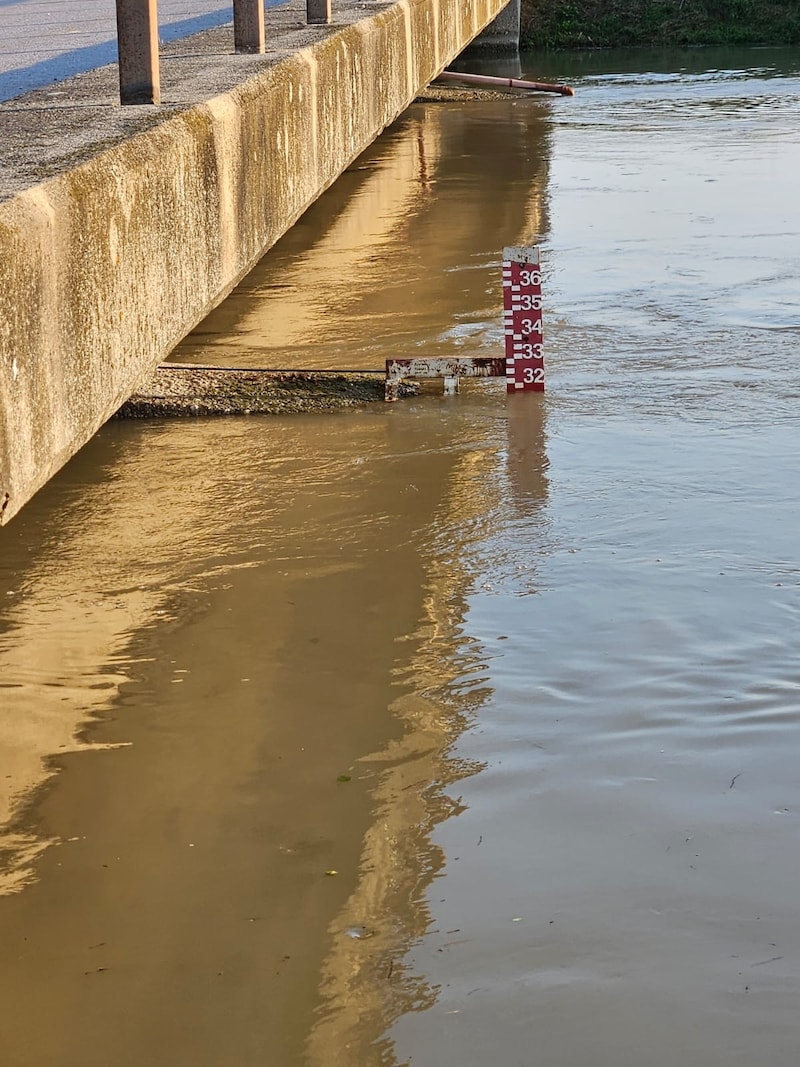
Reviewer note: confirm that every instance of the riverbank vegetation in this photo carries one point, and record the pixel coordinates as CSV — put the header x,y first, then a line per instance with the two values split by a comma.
x,y
562,24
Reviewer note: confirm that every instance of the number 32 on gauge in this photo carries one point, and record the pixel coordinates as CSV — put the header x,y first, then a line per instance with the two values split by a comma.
x,y
533,375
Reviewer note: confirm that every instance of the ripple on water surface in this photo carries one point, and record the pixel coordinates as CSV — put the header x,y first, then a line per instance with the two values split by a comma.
x,y
623,876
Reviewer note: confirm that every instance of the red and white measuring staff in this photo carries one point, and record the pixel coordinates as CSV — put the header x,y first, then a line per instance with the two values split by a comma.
x,y
522,320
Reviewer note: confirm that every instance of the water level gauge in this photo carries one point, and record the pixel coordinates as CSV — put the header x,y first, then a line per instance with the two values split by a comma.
x,y
522,319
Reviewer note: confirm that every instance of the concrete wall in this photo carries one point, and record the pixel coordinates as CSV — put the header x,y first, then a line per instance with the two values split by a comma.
x,y
104,268
501,36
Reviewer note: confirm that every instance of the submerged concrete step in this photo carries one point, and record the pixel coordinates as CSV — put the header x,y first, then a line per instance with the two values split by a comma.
x,y
184,390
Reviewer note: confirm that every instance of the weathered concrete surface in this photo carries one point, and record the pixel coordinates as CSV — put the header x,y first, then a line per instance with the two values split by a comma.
x,y
130,240
184,390
501,36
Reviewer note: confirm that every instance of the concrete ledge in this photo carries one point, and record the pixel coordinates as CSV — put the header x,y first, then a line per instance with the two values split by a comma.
x,y
106,266
181,390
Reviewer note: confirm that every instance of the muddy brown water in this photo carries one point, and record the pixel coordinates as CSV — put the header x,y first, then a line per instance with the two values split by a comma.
x,y
523,674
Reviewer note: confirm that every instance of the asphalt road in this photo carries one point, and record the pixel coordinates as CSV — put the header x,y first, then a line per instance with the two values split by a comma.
x,y
45,41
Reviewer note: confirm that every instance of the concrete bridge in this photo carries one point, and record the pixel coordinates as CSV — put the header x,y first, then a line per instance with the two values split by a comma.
x,y
121,228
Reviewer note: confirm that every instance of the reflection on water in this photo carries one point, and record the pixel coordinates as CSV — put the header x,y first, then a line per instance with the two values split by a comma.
x,y
264,618
640,66
365,980
622,873
408,260
287,599
455,731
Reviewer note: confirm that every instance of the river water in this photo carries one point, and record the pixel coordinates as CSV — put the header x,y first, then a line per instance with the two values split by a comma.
x,y
461,730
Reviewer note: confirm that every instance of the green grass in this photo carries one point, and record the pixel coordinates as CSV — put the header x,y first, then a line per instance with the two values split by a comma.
x,y
613,23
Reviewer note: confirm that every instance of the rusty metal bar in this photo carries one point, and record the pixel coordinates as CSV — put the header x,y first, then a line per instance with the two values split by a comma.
x,y
248,26
318,12
137,45
505,83
450,369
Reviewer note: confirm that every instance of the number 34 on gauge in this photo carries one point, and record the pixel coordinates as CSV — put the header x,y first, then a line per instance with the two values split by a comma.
x,y
522,320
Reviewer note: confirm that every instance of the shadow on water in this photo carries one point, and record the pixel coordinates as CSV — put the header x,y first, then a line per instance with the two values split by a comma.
x,y
671,63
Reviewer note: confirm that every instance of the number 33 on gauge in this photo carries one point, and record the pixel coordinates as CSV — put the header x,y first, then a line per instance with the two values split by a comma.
x,y
522,294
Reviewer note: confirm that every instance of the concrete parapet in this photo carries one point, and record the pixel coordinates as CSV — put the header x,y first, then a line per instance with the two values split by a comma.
x,y
106,266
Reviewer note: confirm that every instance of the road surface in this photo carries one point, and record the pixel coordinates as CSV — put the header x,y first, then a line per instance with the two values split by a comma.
x,y
45,41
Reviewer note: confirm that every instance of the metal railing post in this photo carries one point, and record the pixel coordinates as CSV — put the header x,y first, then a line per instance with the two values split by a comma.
x,y
318,12
137,44
248,26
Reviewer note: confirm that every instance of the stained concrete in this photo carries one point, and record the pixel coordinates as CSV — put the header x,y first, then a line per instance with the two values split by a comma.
x,y
501,36
121,228
177,390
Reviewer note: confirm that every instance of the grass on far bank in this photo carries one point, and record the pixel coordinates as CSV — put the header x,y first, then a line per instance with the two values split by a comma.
x,y
619,23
